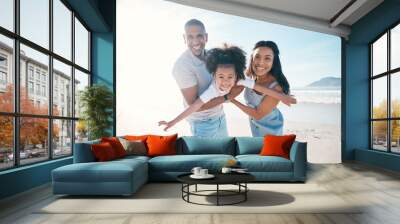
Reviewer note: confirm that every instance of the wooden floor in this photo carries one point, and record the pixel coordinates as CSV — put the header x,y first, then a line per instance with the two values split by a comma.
x,y
377,188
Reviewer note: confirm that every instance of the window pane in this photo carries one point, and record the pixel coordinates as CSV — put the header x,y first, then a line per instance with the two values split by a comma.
x,y
395,47
6,142
33,140
81,45
6,74
81,81
81,131
379,98
7,14
62,89
34,82
395,136
62,29
62,136
379,55
35,21
395,94
379,135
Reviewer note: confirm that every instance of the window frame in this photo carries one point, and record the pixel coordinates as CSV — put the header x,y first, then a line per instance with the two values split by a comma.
x,y
388,74
16,114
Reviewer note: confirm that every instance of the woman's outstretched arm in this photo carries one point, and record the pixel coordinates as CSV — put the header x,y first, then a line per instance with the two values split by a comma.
x,y
286,99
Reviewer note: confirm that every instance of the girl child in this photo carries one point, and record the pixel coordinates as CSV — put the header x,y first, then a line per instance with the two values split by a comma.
x,y
227,65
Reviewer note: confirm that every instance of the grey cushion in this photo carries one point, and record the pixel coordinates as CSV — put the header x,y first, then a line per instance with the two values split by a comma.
x,y
135,147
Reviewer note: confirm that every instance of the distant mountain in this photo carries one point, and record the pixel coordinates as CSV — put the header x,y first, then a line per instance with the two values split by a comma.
x,y
326,82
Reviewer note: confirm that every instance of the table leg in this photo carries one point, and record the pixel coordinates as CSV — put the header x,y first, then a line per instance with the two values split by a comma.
x,y
217,194
245,191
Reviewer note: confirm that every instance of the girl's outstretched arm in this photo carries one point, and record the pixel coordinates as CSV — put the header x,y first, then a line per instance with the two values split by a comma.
x,y
249,83
188,111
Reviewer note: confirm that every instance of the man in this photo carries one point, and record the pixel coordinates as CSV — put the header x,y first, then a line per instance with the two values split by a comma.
x,y
192,77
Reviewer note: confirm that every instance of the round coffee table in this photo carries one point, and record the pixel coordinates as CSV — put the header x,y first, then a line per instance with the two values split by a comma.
x,y
238,179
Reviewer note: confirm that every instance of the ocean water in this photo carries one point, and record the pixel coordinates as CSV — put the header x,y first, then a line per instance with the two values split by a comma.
x,y
316,95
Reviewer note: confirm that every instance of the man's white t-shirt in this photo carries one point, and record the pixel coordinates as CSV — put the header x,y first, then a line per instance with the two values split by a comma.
x,y
190,71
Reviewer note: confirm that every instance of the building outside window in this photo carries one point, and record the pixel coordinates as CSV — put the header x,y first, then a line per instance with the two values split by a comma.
x,y
3,61
37,75
30,72
3,78
3,71
30,87
43,90
43,78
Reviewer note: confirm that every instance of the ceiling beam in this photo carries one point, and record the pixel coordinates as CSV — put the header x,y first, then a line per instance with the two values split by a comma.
x,y
269,15
346,11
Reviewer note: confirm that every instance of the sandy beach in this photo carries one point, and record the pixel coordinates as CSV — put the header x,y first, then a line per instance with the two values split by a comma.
x,y
317,124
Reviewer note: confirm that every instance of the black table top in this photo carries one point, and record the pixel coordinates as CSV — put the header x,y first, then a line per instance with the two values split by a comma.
x,y
220,178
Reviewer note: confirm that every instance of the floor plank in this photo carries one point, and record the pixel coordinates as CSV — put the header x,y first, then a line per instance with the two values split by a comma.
x,y
375,189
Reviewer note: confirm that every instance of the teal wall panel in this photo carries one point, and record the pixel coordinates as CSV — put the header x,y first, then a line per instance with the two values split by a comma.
x,y
357,138
24,178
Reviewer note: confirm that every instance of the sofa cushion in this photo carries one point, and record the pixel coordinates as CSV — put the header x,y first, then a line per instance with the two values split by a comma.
x,y
103,152
277,145
249,145
257,163
111,171
136,137
190,145
116,145
134,147
185,163
161,145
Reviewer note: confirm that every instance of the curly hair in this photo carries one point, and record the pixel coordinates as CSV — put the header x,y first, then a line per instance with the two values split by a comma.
x,y
276,69
227,56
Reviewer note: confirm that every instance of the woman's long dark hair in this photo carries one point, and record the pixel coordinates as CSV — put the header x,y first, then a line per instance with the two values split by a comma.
x,y
276,69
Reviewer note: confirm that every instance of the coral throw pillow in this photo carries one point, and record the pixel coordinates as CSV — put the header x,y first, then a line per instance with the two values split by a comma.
x,y
116,145
103,152
161,145
135,138
277,145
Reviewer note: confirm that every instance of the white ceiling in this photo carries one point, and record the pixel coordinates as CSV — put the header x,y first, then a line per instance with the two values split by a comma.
x,y
315,15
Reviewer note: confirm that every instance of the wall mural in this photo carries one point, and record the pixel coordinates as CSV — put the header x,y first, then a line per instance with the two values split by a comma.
x,y
196,72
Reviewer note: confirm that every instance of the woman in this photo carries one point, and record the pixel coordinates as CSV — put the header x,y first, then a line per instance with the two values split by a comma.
x,y
265,68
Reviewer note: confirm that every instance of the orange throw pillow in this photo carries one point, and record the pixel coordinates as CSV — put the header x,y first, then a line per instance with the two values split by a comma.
x,y
103,151
116,145
161,145
135,138
277,145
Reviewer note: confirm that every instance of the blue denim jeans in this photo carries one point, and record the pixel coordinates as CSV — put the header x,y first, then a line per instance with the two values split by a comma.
x,y
210,127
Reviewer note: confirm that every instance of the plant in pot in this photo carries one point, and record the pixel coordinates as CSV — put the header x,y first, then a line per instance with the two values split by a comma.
x,y
96,103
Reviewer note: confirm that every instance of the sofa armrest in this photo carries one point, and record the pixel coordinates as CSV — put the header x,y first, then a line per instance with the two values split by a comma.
x,y
83,152
298,155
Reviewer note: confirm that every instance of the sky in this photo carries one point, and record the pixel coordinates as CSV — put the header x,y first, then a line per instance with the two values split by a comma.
x,y
306,56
